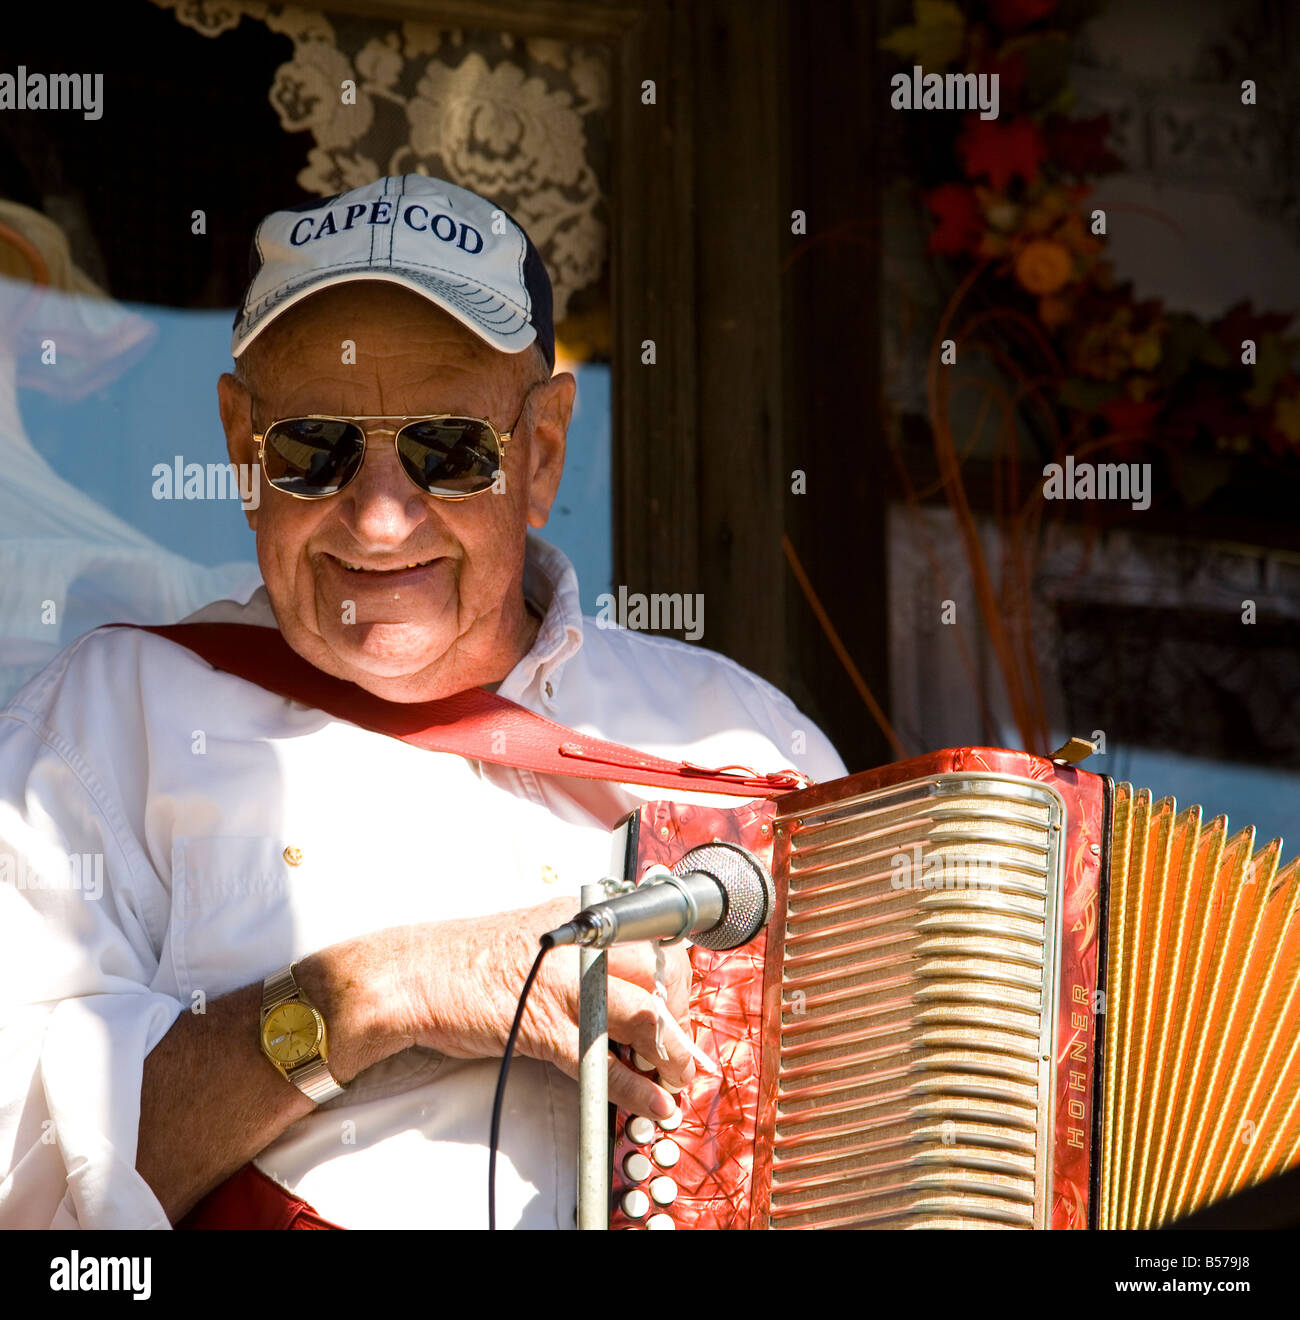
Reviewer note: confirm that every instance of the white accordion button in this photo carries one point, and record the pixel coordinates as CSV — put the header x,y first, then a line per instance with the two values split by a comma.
x,y
663,1191
637,1167
642,1063
635,1203
670,1088
640,1130
660,1221
665,1153
672,1122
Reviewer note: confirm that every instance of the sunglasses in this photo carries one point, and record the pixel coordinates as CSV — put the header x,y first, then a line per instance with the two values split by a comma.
x,y
448,457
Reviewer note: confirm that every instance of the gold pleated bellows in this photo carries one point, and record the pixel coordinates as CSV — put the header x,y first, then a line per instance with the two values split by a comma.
x,y
1201,1093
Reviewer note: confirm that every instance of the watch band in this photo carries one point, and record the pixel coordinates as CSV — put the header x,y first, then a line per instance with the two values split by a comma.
x,y
315,1080
312,1078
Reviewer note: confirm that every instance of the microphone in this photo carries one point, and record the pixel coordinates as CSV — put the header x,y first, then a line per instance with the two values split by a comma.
x,y
718,895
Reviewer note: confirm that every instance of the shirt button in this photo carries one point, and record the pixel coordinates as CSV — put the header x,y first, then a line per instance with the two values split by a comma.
x,y
548,689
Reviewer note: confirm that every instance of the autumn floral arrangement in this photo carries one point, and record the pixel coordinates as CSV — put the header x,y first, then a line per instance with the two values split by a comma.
x,y
1008,198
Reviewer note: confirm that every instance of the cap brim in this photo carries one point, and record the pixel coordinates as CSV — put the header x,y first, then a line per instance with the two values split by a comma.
x,y
492,318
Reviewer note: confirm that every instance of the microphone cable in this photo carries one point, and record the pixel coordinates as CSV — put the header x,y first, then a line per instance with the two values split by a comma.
x,y
499,1098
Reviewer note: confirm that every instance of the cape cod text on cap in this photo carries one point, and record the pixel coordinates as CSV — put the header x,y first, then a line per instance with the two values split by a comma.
x,y
448,244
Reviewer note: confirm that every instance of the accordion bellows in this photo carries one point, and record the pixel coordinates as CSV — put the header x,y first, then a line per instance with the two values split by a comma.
x,y
1201,1082
996,992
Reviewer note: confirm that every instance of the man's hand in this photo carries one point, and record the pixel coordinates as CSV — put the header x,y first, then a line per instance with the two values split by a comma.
x,y
462,981
450,985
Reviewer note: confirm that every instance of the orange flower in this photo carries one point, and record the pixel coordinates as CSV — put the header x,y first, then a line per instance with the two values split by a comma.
x,y
1043,266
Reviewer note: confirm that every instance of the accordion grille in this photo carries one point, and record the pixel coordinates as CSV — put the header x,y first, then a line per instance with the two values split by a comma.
x,y
1201,1082
913,1082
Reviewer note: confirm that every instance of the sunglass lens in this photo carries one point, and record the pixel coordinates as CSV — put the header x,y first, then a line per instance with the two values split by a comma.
x,y
313,456
450,455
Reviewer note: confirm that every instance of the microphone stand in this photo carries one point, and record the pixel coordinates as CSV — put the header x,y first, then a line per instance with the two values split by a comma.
x,y
593,1072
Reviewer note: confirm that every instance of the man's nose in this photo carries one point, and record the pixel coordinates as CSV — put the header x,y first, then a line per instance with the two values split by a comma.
x,y
381,504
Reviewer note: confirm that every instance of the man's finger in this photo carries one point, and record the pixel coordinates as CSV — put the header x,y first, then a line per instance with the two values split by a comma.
x,y
635,1092
633,1020
628,1089
636,965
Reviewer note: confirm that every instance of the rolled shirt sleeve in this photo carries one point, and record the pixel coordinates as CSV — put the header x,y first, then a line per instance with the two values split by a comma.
x,y
82,917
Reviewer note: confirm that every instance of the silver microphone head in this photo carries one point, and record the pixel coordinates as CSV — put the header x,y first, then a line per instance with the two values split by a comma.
x,y
751,895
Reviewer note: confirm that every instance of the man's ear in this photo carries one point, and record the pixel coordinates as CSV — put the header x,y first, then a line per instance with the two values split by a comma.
x,y
551,407
236,407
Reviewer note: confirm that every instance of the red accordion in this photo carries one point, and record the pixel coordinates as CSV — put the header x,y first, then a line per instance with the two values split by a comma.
x,y
996,991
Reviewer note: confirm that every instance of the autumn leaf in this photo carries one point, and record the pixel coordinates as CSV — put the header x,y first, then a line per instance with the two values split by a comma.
x,y
1009,66
1002,151
935,40
960,224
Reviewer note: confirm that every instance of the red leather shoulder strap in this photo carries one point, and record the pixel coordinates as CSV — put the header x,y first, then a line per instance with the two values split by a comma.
x,y
249,1199
470,723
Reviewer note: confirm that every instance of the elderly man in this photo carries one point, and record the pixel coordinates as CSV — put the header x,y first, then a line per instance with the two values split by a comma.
x,y
266,863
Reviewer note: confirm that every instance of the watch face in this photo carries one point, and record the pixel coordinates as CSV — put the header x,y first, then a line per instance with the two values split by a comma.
x,y
291,1033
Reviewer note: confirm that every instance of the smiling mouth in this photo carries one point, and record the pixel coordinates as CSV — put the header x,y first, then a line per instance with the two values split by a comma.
x,y
381,572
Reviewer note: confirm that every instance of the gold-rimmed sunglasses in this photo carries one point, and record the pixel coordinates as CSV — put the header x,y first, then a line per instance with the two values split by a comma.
x,y
446,456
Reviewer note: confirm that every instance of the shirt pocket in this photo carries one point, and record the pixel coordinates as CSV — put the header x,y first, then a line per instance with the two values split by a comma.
x,y
232,912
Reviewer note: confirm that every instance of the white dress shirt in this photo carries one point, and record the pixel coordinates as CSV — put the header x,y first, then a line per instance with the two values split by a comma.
x,y
190,784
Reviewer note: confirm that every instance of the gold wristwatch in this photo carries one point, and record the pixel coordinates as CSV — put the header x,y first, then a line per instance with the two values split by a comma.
x,y
293,1037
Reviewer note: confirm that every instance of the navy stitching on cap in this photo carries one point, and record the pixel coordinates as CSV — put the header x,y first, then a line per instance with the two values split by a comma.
x,y
512,316
276,292
283,289
397,210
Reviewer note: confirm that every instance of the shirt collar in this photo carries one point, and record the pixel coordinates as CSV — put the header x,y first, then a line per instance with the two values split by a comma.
x,y
550,583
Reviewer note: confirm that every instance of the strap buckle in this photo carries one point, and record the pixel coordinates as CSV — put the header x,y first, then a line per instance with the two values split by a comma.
x,y
788,778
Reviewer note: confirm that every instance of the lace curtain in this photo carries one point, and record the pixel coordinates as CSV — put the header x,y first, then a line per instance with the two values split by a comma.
x,y
521,120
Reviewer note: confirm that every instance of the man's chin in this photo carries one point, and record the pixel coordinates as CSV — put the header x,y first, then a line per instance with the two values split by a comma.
x,y
384,656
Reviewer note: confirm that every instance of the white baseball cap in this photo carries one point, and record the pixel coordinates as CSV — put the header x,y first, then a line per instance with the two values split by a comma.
x,y
452,246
